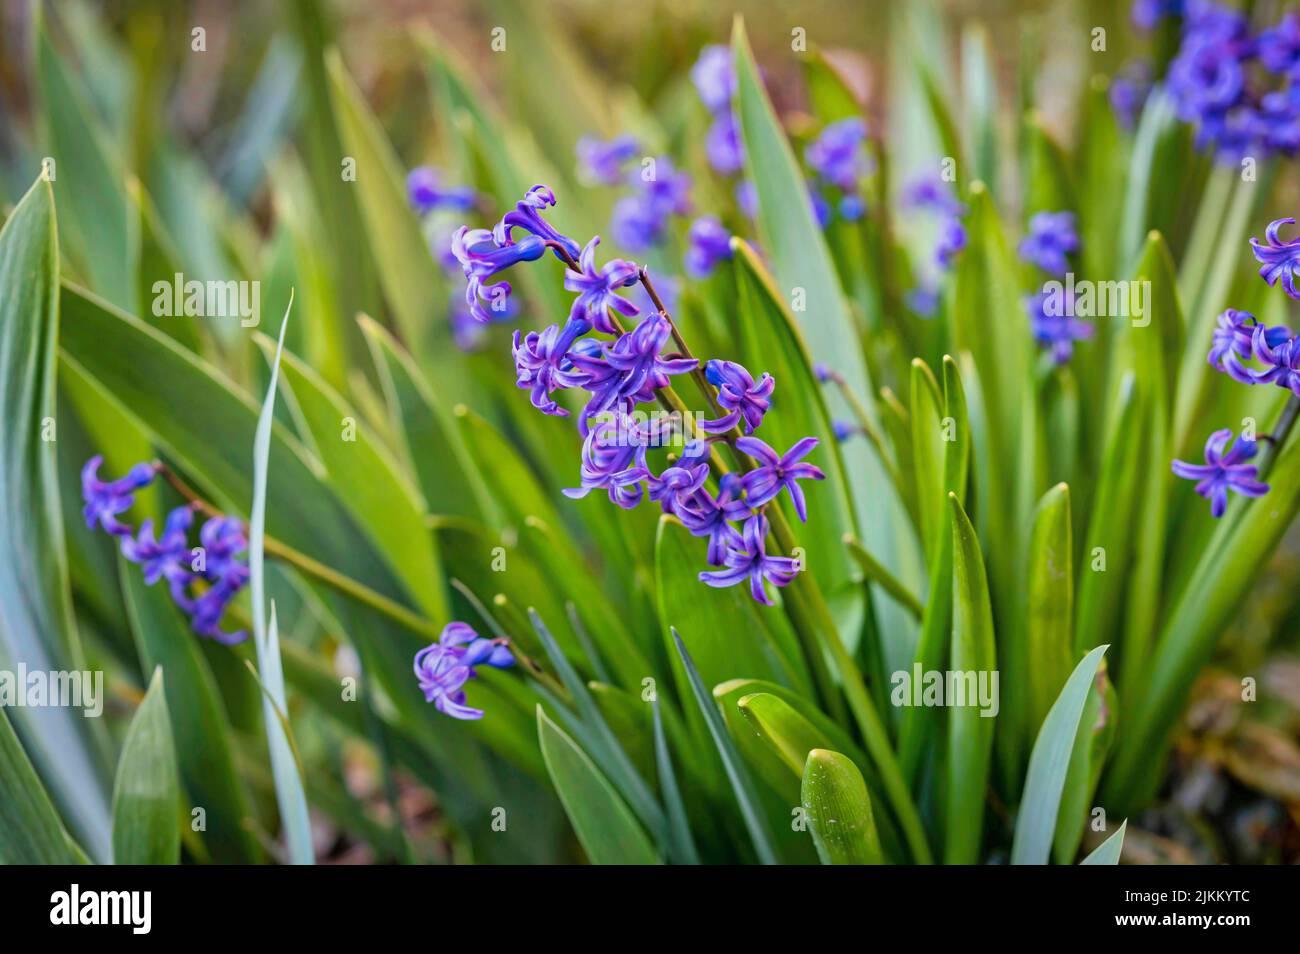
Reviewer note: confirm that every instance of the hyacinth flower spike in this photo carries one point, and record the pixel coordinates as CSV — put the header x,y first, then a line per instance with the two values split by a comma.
x,y
738,395
1224,469
1283,360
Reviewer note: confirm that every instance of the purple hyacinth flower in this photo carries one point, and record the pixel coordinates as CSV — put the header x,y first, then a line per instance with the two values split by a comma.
x,y
106,499
1223,470
636,224
677,485
542,363
632,367
482,258
1053,325
826,374
1147,14
952,239
597,289
723,146
836,155
602,161
705,515
640,221
1279,258
165,556
709,243
426,192
527,215
843,430
1051,238
1129,92
714,77
776,473
443,668
750,561
739,395
613,460
1279,46
1233,342
1282,358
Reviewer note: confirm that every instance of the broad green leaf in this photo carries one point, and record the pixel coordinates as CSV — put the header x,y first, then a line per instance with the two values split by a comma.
x,y
146,827
197,715
100,229
805,273
607,829
1092,746
772,343
31,832
839,810
741,784
1050,603
927,455
364,476
1048,764
284,765
37,628
425,430
730,632
1049,186
401,253
970,731
1108,852
1109,537
784,730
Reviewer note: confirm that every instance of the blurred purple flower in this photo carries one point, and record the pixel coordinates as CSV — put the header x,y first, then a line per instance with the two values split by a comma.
x,y
603,162
1053,325
1050,239
104,500
166,556
426,192
714,77
837,156
952,239
933,193
722,145
709,243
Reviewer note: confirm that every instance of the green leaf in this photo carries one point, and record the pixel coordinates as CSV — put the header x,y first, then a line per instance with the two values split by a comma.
x,y
1108,852
1091,748
31,832
365,476
37,628
737,774
789,734
839,810
89,178
1050,602
425,430
1048,764
197,716
928,448
284,765
145,822
607,829
804,269
970,732
400,249
681,843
